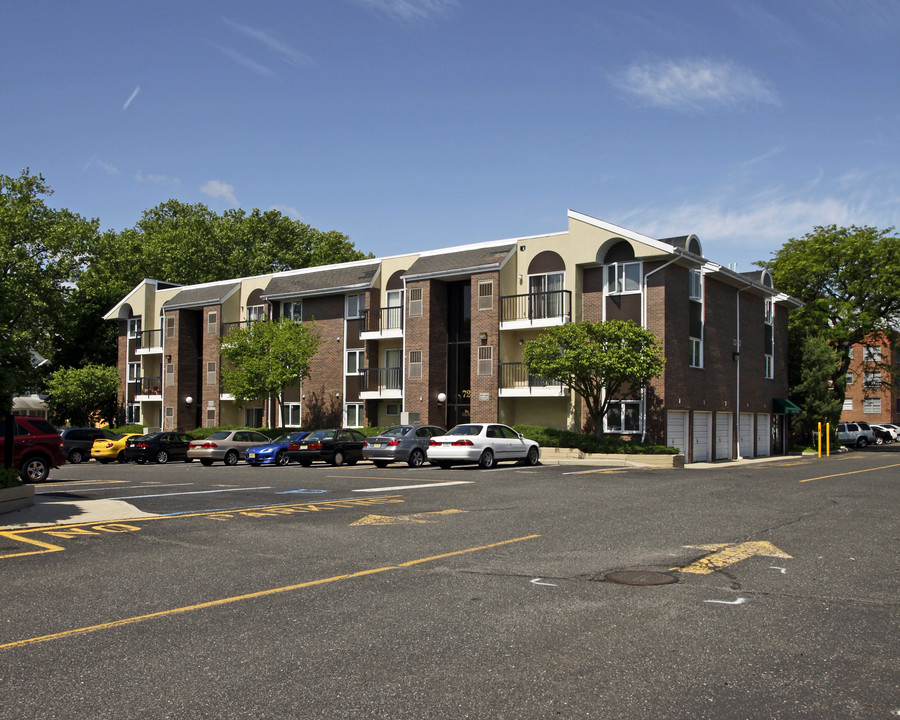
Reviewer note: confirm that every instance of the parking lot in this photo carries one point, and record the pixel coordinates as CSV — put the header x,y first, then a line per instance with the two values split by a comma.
x,y
181,590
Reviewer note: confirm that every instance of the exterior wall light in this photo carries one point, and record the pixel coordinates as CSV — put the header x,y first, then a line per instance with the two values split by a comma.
x,y
442,398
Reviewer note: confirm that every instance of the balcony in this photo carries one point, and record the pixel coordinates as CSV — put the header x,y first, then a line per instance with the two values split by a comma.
x,y
540,309
149,342
227,327
382,323
516,381
382,383
148,388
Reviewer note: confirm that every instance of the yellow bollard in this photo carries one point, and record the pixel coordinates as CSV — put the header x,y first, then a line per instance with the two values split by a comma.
x,y
827,439
820,439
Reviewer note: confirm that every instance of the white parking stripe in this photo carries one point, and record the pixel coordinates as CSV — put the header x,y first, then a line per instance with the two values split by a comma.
x,y
193,492
413,487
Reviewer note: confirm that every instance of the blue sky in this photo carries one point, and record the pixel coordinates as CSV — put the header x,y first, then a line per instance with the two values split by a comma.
x,y
417,124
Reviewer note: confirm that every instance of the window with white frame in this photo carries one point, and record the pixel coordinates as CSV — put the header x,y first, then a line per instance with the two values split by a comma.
x,y
211,376
624,416
134,371
872,406
849,380
253,417
212,323
355,362
134,327
770,369
170,326
256,312
872,379
133,414
354,307
486,360
415,301
415,363
486,295
769,338
696,285
354,415
695,317
393,317
872,353
850,353
292,414
769,312
623,278
210,417
848,405
696,352
292,310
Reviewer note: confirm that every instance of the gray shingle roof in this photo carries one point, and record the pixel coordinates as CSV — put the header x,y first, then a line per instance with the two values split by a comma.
x,y
203,295
318,282
464,260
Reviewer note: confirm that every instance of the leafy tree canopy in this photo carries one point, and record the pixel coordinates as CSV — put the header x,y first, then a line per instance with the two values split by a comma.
x,y
78,395
615,356
267,357
813,392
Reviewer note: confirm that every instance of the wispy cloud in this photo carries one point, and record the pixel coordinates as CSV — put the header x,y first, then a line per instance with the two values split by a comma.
x,y
409,10
216,189
288,54
694,84
108,168
286,210
155,178
131,98
777,150
243,60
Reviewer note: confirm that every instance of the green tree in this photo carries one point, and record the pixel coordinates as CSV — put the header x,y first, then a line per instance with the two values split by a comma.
x,y
42,251
266,357
814,392
600,361
80,395
849,281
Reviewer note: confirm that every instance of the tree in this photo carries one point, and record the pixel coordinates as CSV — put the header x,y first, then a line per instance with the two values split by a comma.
x,y
849,281
41,256
601,361
78,395
267,357
814,392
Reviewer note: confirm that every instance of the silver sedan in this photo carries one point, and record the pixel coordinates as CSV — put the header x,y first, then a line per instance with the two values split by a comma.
x,y
482,443
402,443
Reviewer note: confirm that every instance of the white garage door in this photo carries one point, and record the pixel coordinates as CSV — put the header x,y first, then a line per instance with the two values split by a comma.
x,y
676,430
702,436
746,435
723,436
762,435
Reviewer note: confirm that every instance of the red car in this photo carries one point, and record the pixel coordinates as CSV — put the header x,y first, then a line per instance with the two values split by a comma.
x,y
37,447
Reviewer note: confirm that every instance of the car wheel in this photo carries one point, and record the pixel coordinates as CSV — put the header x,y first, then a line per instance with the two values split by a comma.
x,y
416,458
861,442
338,458
76,456
162,457
206,462
532,457
35,469
487,459
281,458
120,458
879,440
231,458
380,463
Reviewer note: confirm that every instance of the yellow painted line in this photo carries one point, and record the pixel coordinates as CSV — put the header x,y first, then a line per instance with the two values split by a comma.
x,y
729,555
851,472
250,596
425,517
46,547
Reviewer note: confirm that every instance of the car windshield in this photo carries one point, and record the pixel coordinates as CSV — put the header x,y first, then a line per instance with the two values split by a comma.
x,y
220,435
465,430
322,435
398,431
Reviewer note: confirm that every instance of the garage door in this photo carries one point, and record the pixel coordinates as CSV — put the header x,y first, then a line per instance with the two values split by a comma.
x,y
746,435
702,436
676,430
763,441
723,436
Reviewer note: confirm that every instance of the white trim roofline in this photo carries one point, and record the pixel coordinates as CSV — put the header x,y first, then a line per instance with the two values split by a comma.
x,y
113,314
628,234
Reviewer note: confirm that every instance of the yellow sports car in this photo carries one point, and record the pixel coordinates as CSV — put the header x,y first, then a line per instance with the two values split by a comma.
x,y
106,450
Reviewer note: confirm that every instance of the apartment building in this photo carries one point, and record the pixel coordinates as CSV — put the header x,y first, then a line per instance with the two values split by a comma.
x,y
438,336
872,396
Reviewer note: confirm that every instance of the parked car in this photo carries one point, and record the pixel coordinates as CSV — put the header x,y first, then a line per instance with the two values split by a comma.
x,y
335,446
227,446
482,443
276,451
883,436
106,450
859,434
37,447
158,447
79,441
401,443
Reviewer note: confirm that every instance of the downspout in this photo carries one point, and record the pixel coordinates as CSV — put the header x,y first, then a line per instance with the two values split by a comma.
x,y
162,381
644,325
737,358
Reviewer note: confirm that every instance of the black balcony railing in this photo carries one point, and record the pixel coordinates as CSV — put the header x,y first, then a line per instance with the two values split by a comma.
x,y
381,319
551,305
229,326
148,339
150,385
515,376
381,379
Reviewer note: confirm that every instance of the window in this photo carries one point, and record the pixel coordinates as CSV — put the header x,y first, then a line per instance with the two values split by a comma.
x,y
415,363
355,362
696,285
622,278
872,379
211,373
415,301
133,414
291,414
170,375
393,374
485,295
354,415
872,405
848,405
354,306
212,323
486,360
392,409
134,327
849,380
170,326
253,417
872,353
210,417
393,319
256,312
134,371
292,310
696,353
850,353
624,417
770,369
545,295
769,312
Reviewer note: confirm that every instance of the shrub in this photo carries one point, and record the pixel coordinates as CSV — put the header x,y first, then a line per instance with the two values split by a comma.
x,y
10,477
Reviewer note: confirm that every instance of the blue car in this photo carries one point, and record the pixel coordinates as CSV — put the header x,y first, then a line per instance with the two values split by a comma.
x,y
275,452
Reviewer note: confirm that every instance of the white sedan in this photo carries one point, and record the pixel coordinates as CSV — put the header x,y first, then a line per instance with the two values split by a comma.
x,y
482,443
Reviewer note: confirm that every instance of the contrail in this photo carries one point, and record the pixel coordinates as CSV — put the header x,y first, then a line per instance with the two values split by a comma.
x,y
133,96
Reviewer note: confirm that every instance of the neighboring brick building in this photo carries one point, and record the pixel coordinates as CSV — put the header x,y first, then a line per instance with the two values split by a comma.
x,y
439,335
871,395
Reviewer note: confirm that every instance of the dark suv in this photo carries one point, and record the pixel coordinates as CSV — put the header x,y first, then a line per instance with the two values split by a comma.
x,y
37,447
78,441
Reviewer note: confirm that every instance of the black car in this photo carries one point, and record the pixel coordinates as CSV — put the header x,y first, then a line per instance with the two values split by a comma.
x,y
78,441
339,446
158,447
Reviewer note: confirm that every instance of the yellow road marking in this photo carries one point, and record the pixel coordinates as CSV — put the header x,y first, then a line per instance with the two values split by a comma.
x,y
251,596
727,554
851,472
425,517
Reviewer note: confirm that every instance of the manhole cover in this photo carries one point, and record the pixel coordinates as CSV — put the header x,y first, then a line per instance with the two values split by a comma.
x,y
640,577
